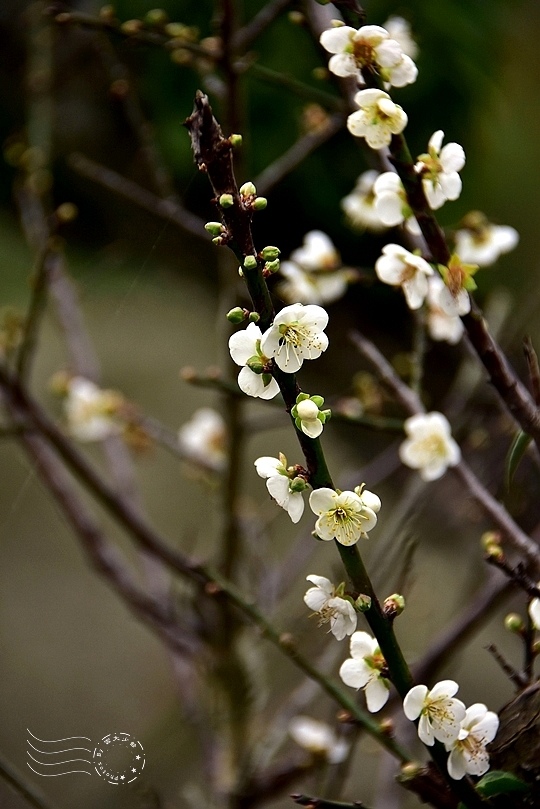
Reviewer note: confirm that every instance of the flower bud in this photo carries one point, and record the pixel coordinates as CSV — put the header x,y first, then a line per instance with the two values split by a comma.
x,y
254,317
226,200
156,16
270,252
235,141
298,485
176,30
362,603
248,190
217,240
250,263
307,410
131,27
319,401
259,204
514,623
272,266
236,315
410,770
394,605
106,13
490,538
215,228
255,364
66,212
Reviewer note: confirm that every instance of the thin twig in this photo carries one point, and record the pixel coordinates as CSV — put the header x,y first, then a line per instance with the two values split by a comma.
x,y
514,676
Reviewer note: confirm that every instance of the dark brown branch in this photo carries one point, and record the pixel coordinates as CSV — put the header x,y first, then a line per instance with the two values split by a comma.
x,y
246,36
534,368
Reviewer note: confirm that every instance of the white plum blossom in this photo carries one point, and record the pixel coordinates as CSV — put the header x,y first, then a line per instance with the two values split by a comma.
x,y
483,243
441,326
429,446
342,516
440,714
390,199
377,119
313,274
458,278
325,600
440,169
90,411
318,739
534,612
365,669
203,438
296,334
400,30
369,47
245,346
398,267
278,482
359,205
468,754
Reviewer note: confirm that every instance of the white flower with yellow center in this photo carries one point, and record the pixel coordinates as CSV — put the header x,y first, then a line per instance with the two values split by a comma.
x,y
468,754
296,334
325,600
440,169
377,119
398,267
342,516
282,485
365,669
440,714
359,205
245,348
90,411
203,438
317,254
318,739
480,242
429,446
441,325
313,275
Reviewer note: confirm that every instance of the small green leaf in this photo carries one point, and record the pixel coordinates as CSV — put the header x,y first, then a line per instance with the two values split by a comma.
x,y
499,782
515,454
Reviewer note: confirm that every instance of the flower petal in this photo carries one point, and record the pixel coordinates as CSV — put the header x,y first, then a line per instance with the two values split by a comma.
x,y
268,467
377,693
414,701
242,344
322,500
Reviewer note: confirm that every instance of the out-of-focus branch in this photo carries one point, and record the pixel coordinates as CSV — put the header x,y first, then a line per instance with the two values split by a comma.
x,y
516,538
246,36
166,209
323,803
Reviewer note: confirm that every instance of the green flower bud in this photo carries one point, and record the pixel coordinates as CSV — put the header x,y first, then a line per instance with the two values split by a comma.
x,y
254,317
215,228
250,263
226,200
156,16
362,603
176,30
236,315
394,605
259,204
131,27
235,141
272,266
514,623
217,240
269,253
298,485
255,364
248,190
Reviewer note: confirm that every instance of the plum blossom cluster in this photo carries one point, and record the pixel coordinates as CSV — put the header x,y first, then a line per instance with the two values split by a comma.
x,y
314,274
370,48
465,732
296,334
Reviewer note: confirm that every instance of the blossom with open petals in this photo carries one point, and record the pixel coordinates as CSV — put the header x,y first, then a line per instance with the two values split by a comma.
x,y
441,325
534,612
90,411
318,739
468,754
440,169
315,273
203,438
458,278
342,516
400,30
318,253
429,446
245,348
369,47
283,486
377,119
297,334
440,714
480,242
366,669
325,600
359,205
398,267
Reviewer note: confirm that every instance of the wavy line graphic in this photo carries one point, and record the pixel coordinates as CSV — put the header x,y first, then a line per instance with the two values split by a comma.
x,y
54,752
54,774
58,763
55,741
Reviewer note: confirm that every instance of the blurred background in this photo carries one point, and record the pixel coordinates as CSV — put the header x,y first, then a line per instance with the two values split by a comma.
x,y
74,661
